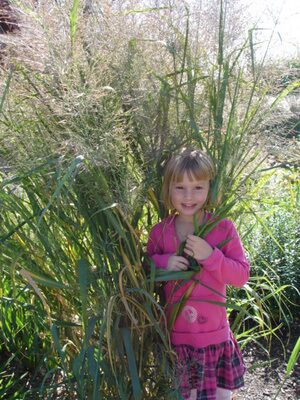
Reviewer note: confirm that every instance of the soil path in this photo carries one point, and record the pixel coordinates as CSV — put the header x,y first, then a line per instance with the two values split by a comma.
x,y
263,382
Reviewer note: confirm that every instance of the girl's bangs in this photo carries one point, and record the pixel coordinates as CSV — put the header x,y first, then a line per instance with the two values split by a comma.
x,y
193,173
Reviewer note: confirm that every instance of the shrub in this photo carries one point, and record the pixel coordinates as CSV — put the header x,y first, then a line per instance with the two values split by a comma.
x,y
278,251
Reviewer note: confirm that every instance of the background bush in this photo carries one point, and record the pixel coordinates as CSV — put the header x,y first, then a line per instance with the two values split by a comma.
x,y
274,242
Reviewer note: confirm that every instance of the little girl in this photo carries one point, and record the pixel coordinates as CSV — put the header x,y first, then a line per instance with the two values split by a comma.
x,y
209,363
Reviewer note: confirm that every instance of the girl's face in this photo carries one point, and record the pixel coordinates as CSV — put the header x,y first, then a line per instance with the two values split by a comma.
x,y
189,196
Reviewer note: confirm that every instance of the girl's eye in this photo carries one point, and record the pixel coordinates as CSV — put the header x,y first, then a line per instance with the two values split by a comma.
x,y
199,187
179,187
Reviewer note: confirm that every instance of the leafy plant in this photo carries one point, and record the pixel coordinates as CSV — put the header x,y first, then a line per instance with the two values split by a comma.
x,y
278,251
73,228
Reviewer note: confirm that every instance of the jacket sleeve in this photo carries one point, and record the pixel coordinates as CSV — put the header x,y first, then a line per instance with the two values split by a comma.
x,y
229,264
155,247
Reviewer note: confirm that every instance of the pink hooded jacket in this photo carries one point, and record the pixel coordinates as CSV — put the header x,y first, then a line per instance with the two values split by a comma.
x,y
201,322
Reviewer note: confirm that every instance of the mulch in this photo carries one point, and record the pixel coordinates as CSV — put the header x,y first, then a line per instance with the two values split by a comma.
x,y
266,372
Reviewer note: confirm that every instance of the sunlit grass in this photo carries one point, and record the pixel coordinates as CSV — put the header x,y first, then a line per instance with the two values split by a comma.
x,y
86,129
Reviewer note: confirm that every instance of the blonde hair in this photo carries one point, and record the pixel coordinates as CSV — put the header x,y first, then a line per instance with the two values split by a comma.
x,y
195,163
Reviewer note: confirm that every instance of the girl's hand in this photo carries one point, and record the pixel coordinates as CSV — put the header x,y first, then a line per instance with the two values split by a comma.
x,y
177,263
197,247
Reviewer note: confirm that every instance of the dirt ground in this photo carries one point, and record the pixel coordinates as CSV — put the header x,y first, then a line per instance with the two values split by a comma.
x,y
263,382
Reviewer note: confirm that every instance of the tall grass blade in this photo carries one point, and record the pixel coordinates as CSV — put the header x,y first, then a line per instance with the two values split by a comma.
x,y
73,22
290,366
72,168
136,386
6,89
293,357
83,274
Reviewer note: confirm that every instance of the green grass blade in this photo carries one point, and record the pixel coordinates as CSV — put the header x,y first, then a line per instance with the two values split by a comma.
x,y
74,165
73,21
293,357
83,272
6,89
135,382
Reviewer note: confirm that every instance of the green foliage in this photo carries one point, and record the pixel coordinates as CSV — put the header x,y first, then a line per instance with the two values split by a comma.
x,y
284,263
25,340
86,131
278,251
78,257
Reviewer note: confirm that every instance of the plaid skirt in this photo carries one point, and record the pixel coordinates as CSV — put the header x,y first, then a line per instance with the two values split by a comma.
x,y
205,369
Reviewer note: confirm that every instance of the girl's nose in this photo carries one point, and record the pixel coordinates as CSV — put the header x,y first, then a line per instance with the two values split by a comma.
x,y
188,194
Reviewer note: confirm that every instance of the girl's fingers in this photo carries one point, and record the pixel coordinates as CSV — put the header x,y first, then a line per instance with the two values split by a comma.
x,y
183,266
191,254
183,260
190,248
192,238
189,244
178,268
